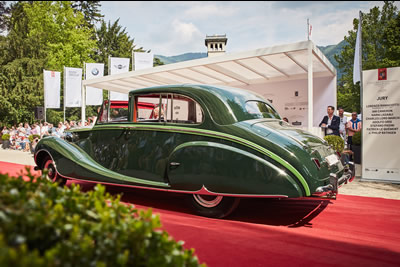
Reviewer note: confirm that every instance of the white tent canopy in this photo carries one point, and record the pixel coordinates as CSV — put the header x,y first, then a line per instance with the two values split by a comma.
x,y
297,61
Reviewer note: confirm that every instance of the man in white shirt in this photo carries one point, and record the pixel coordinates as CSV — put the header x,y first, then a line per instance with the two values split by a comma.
x,y
342,125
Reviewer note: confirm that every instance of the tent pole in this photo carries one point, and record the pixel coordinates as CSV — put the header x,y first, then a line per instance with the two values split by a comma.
x,y
310,87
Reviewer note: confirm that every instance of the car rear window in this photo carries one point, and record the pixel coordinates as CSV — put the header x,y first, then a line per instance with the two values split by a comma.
x,y
259,110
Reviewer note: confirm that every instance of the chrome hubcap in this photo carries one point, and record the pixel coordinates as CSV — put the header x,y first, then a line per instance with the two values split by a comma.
x,y
51,172
208,201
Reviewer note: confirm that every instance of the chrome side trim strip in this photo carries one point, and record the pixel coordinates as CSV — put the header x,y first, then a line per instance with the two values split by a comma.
x,y
202,191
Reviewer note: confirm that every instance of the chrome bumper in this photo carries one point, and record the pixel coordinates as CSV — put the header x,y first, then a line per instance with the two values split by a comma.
x,y
332,189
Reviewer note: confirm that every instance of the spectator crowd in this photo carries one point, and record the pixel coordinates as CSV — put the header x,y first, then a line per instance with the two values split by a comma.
x,y
24,137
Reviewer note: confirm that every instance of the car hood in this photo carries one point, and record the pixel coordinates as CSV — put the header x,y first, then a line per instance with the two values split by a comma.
x,y
280,128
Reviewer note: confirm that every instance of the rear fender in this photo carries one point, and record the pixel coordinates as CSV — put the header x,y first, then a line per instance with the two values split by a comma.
x,y
225,169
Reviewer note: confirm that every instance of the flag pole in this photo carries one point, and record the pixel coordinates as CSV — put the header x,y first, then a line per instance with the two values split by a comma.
x,y
65,81
361,94
44,92
361,76
308,29
83,92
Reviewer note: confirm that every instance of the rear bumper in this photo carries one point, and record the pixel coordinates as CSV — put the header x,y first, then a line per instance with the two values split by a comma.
x,y
332,189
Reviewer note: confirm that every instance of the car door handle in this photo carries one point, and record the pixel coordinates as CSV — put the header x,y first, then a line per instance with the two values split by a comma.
x,y
174,165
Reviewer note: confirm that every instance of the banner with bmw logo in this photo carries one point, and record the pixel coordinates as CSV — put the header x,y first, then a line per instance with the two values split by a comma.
x,y
118,65
94,96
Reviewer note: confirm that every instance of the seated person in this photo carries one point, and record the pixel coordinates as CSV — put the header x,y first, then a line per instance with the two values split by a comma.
x,y
157,112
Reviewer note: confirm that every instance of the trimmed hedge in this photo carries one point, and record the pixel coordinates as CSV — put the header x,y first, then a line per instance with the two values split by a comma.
x,y
42,224
336,142
356,140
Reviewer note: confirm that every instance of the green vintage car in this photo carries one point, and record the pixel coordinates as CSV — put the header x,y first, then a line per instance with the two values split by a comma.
x,y
216,144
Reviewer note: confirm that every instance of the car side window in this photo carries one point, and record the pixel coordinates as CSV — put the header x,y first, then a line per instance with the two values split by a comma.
x,y
118,114
169,108
185,110
103,115
116,111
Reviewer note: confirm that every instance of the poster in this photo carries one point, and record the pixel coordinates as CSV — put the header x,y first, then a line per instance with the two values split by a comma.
x,y
72,87
381,125
94,96
118,65
52,84
142,60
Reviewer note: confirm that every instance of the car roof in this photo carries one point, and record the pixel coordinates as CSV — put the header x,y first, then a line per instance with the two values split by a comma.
x,y
223,102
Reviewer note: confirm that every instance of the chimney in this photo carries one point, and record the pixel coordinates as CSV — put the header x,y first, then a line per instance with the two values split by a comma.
x,y
215,44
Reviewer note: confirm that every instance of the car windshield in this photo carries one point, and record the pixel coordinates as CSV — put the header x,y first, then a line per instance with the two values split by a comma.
x,y
259,110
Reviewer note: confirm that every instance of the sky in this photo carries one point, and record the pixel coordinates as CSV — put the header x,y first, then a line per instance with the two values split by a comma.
x,y
171,28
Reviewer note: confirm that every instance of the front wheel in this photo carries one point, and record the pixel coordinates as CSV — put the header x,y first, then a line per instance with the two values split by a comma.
x,y
52,174
213,206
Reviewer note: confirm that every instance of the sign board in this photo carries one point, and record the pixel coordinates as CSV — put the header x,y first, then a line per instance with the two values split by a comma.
x,y
381,125
52,84
118,65
94,96
72,87
142,60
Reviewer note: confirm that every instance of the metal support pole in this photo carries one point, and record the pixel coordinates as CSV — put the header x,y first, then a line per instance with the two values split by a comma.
x,y
310,87
65,86
83,90
44,96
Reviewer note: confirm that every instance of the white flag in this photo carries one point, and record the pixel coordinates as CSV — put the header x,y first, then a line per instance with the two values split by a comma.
x,y
94,96
52,84
357,63
143,60
72,87
118,65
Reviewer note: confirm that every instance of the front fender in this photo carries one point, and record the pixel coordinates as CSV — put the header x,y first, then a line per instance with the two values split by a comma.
x,y
225,169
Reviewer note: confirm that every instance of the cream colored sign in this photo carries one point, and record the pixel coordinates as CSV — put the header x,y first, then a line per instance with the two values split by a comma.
x,y
381,125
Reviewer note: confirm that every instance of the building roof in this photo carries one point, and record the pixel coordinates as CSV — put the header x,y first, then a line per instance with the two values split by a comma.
x,y
263,65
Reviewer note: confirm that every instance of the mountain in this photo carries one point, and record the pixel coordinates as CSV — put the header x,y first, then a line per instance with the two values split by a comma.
x,y
329,51
179,58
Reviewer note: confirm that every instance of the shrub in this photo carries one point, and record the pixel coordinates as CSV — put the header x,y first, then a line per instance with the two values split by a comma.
x,y
356,140
5,137
42,224
33,136
336,142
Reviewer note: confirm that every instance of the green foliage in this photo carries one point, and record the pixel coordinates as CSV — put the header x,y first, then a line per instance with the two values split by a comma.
x,y
336,142
113,41
356,139
90,11
5,137
380,49
4,13
42,35
33,136
42,224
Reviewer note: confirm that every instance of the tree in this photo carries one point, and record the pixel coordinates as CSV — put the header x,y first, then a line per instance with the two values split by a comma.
x,y
113,41
90,11
157,62
42,35
4,13
380,49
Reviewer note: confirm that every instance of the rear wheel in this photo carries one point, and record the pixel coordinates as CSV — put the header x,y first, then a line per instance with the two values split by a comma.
x,y
213,206
52,174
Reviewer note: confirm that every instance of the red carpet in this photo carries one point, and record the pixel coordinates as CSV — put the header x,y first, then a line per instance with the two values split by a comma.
x,y
349,231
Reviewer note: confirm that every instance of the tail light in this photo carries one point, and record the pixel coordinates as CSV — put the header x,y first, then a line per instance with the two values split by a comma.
x,y
316,161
